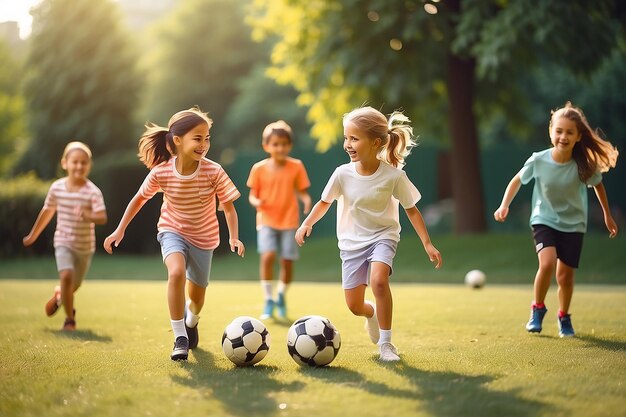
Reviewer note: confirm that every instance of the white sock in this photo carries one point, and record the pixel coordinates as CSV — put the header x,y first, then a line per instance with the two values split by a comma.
x,y
268,289
192,319
385,336
178,326
282,287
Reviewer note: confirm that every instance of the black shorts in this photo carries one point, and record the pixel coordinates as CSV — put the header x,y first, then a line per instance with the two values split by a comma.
x,y
569,245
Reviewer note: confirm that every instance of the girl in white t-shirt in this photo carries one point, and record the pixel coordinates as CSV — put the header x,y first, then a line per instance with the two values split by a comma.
x,y
368,191
78,205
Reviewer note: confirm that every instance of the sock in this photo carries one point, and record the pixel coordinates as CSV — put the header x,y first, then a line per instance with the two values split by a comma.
x,y
282,287
385,336
562,314
268,289
538,305
178,326
192,319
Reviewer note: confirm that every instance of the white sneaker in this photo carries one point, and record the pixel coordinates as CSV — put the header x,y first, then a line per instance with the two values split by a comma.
x,y
388,352
371,324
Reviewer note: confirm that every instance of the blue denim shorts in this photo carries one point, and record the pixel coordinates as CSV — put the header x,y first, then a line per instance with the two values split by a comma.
x,y
198,261
282,242
355,264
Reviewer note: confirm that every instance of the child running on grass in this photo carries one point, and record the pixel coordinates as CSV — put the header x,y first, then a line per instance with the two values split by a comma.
x,y
276,184
562,173
188,229
368,190
79,205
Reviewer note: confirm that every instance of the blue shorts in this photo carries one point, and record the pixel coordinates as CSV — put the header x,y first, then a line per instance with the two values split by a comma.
x,y
355,264
281,241
198,261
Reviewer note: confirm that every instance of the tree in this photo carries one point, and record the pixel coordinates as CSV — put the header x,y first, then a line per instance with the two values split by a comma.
x,y
444,62
12,128
202,49
81,81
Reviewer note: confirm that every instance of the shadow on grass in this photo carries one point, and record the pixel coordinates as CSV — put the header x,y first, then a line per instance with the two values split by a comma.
x,y
82,334
449,394
350,378
243,391
607,344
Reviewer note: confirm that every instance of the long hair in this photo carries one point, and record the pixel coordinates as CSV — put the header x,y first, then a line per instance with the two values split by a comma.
x,y
591,153
395,133
156,145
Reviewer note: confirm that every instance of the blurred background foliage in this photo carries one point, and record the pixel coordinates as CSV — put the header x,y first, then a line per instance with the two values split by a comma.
x,y
477,77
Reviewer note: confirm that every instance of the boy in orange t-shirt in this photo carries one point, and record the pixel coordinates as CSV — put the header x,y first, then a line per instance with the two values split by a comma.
x,y
276,184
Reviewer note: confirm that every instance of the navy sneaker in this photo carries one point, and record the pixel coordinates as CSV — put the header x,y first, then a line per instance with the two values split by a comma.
x,y
192,332
281,305
268,311
181,349
536,319
565,326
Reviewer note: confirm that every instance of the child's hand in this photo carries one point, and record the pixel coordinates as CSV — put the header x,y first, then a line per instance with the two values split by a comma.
x,y
114,239
303,232
611,226
434,255
237,246
85,214
501,213
28,240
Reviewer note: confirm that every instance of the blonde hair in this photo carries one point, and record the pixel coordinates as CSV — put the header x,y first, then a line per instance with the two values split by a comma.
x,y
156,145
395,133
591,153
280,128
75,145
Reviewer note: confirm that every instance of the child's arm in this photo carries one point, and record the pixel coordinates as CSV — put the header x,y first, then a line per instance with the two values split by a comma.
x,y
115,238
44,217
604,203
232,221
416,219
319,210
509,194
306,201
254,200
99,217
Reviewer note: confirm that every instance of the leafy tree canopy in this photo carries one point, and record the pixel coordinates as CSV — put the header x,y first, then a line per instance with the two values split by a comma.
x,y
81,81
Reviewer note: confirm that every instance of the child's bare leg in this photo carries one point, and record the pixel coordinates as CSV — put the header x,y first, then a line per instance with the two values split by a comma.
x,y
355,301
286,271
565,280
545,272
66,278
267,266
196,296
379,281
176,278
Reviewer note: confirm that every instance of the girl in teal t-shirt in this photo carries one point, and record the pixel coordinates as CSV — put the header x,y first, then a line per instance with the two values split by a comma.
x,y
558,218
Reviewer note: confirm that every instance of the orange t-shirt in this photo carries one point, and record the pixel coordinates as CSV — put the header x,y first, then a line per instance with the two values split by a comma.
x,y
277,187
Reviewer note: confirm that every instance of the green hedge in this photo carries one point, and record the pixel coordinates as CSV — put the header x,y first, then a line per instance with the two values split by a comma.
x,y
21,200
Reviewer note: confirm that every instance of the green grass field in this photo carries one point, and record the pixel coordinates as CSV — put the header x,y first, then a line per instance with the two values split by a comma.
x,y
464,353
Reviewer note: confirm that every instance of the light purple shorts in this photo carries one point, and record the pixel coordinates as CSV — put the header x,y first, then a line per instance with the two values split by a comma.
x,y
355,264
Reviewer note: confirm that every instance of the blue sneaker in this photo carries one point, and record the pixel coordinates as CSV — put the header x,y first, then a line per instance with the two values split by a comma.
x,y
565,326
281,305
536,319
268,311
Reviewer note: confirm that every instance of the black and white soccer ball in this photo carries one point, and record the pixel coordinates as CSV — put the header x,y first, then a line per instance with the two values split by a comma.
x,y
245,341
313,341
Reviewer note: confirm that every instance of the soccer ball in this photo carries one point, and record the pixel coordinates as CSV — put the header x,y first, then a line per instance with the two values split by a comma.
x,y
245,341
313,341
475,278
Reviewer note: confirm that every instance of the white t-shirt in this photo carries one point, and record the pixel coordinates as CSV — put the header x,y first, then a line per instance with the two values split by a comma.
x,y
367,206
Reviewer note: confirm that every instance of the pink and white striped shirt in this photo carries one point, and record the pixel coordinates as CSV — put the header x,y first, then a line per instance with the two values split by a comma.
x,y
71,231
189,201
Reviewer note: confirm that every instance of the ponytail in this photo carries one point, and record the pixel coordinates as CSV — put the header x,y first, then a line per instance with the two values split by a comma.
x,y
156,145
400,142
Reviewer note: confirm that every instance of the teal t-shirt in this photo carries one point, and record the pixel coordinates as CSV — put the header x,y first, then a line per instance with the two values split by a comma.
x,y
559,196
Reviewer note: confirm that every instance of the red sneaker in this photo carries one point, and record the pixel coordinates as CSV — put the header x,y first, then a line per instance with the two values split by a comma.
x,y
53,304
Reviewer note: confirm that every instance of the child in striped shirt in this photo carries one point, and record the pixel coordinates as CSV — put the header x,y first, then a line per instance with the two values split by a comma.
x,y
78,204
188,229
